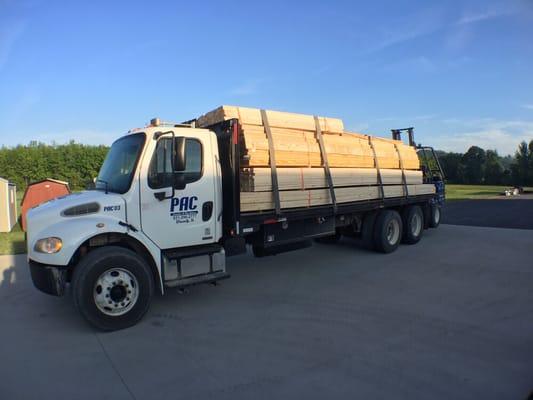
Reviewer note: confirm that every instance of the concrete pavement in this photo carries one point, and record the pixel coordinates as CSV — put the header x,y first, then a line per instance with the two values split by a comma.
x,y
448,318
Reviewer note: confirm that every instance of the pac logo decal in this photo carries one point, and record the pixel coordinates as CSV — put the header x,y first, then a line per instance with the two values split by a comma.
x,y
183,209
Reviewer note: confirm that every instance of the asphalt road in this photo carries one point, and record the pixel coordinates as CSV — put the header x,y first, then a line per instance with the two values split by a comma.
x,y
449,318
502,212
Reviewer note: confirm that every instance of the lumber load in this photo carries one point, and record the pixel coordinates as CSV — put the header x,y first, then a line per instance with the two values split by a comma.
x,y
296,145
259,179
279,119
263,201
356,162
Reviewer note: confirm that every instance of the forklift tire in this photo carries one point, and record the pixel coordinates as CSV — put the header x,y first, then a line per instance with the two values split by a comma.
x,y
413,224
367,231
387,231
435,214
112,288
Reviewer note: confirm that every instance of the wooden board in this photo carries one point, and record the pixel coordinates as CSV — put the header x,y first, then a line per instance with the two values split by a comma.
x,y
300,148
259,179
262,201
279,119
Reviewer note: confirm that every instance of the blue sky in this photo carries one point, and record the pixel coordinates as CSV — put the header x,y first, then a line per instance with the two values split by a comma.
x,y
461,72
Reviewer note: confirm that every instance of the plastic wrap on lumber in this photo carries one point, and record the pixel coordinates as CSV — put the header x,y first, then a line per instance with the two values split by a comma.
x,y
262,201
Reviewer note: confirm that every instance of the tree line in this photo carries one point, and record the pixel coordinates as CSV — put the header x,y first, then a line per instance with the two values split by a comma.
x,y
78,164
74,163
479,166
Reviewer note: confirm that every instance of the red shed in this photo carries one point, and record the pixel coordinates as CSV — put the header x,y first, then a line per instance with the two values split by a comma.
x,y
40,192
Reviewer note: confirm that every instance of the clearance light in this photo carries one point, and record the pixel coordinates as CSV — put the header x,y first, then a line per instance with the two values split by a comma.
x,y
49,245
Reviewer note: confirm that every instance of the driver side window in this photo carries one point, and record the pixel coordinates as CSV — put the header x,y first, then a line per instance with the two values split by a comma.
x,y
160,173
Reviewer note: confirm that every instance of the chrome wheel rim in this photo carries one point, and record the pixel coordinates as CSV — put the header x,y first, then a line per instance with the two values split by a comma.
x,y
116,291
416,225
393,232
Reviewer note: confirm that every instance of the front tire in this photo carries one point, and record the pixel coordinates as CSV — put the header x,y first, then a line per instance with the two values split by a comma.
x,y
387,231
112,288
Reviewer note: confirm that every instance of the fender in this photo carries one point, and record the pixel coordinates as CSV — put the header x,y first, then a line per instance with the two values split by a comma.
x,y
79,231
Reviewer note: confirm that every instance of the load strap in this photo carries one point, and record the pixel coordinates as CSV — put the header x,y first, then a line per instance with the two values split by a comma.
x,y
376,164
272,161
404,181
325,163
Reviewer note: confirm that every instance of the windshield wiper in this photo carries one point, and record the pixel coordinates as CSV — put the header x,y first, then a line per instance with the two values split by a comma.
x,y
106,183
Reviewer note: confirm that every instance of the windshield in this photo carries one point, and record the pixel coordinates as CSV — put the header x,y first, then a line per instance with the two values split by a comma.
x,y
119,165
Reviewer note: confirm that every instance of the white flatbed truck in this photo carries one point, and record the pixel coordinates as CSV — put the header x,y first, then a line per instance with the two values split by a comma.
x,y
165,212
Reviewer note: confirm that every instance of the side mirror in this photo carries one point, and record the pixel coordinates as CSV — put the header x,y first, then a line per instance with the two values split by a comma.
x,y
179,181
179,162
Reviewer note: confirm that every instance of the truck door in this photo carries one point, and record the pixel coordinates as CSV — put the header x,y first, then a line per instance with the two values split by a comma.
x,y
172,216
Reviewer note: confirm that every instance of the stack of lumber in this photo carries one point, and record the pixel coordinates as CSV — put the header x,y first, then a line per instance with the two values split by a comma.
x,y
262,201
259,179
301,176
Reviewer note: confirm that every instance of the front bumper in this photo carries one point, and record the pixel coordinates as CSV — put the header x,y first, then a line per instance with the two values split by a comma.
x,y
49,279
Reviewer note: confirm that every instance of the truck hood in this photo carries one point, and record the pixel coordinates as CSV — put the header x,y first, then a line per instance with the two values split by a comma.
x,y
73,207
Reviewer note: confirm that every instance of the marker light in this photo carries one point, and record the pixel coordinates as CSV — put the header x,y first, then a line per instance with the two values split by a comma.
x,y
49,245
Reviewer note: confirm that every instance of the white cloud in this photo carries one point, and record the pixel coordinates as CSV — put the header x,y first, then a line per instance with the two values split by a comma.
x,y
483,15
503,136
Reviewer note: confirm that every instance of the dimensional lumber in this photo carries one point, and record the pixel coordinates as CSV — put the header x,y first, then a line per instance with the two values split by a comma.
x,y
277,119
295,143
262,201
353,159
258,179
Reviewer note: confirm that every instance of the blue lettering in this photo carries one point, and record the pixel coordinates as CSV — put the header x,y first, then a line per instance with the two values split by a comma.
x,y
192,206
184,202
173,203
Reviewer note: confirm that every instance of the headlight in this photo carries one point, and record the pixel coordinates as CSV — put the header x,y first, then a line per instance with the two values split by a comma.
x,y
48,245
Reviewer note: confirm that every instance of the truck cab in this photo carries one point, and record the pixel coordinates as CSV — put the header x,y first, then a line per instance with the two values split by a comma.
x,y
157,205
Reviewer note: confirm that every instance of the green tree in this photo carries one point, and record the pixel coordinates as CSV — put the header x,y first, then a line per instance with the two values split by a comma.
x,y
493,168
520,169
73,162
474,163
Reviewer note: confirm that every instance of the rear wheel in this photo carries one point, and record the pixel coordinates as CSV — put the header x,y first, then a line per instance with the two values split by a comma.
x,y
112,288
413,224
434,215
387,231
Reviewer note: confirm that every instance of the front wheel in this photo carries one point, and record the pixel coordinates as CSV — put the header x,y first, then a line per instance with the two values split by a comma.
x,y
112,288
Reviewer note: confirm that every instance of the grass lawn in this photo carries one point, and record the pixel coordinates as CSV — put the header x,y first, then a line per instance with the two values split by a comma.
x,y
13,242
464,192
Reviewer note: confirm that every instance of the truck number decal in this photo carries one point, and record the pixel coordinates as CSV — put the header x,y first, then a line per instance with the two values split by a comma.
x,y
183,209
111,208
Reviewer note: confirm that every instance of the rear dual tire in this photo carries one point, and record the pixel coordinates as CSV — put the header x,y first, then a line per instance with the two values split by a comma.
x,y
413,224
435,214
387,231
